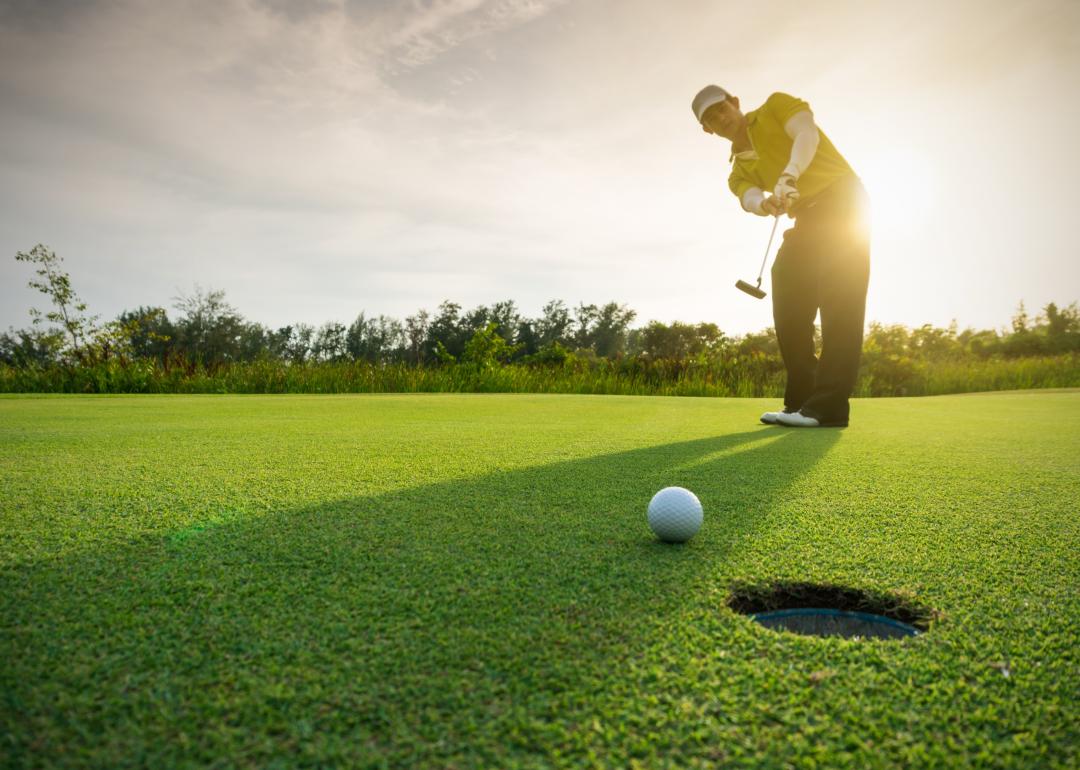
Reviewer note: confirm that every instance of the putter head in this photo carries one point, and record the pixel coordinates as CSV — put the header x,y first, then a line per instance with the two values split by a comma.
x,y
753,291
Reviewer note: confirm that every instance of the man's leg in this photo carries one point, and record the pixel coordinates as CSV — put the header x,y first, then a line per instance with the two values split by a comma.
x,y
844,280
795,303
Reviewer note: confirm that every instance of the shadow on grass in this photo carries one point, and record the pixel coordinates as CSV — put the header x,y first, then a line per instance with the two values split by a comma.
x,y
396,629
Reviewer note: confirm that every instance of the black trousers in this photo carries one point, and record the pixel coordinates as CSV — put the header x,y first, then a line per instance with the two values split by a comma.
x,y
823,264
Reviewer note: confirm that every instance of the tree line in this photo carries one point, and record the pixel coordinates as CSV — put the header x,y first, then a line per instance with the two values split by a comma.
x,y
205,330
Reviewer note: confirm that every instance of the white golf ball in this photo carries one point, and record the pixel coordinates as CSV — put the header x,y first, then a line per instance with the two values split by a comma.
x,y
675,514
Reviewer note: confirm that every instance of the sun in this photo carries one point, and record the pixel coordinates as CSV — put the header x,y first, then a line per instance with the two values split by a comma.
x,y
902,185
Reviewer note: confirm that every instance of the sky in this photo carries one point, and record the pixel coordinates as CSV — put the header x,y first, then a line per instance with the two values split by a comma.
x,y
319,159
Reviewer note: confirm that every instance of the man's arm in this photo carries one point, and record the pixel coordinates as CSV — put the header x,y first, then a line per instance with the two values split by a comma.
x,y
805,137
751,201
750,196
804,134
754,201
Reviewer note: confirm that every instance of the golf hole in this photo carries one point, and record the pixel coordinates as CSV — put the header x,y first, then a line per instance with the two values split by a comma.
x,y
826,610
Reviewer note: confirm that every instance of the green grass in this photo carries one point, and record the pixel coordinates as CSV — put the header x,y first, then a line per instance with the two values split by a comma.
x,y
469,581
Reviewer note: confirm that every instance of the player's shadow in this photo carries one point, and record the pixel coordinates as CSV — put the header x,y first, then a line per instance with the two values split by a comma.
x,y
510,588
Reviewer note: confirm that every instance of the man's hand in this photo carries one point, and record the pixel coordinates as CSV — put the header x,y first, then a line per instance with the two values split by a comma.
x,y
772,206
785,192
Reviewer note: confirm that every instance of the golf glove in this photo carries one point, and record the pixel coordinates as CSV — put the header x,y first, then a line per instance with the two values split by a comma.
x,y
786,191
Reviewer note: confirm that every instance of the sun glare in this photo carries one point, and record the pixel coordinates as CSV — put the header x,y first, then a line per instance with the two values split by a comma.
x,y
903,190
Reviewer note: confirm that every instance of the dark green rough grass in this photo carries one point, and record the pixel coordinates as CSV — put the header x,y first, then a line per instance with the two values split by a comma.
x,y
469,581
743,376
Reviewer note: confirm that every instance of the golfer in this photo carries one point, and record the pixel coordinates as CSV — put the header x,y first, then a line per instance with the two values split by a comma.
x,y
783,164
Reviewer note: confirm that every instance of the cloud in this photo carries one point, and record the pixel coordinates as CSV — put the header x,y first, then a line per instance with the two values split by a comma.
x,y
260,105
297,11
433,28
252,128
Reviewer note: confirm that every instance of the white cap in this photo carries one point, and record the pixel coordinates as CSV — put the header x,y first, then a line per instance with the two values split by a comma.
x,y
706,98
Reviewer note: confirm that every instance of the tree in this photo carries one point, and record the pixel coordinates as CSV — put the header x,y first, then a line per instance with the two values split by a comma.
x,y
298,346
277,342
609,333
1023,341
417,328
377,340
760,344
527,337
1020,320
676,342
891,340
471,322
507,319
1062,328
31,347
585,317
254,342
329,343
602,329
656,341
447,328
209,329
56,284
931,342
356,339
554,326
118,339
487,348
983,343
710,339
150,331
503,314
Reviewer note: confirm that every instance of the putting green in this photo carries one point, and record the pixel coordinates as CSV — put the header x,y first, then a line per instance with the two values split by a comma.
x,y
469,581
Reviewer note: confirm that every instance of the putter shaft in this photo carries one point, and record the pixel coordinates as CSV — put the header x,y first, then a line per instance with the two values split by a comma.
x,y
768,248
755,291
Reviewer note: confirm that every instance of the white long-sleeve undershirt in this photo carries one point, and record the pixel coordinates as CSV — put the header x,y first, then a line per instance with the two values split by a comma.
x,y
751,201
804,134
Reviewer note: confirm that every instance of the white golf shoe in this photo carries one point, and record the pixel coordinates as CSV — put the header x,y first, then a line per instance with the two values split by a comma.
x,y
772,418
797,420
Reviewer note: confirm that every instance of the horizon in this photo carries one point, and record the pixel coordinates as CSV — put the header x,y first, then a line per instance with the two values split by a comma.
x,y
172,311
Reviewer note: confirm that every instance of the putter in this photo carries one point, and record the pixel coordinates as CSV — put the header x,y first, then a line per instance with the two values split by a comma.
x,y
755,291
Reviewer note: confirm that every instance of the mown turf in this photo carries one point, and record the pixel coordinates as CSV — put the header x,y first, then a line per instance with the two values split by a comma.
x,y
469,581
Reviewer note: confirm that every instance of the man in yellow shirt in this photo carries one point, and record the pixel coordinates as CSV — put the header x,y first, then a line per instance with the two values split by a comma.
x,y
824,261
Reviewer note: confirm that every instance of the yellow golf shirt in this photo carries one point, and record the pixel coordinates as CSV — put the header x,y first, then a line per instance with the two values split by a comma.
x,y
762,166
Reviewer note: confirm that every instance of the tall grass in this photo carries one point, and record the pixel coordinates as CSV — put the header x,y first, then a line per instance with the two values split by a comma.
x,y
1016,374
907,377
754,376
